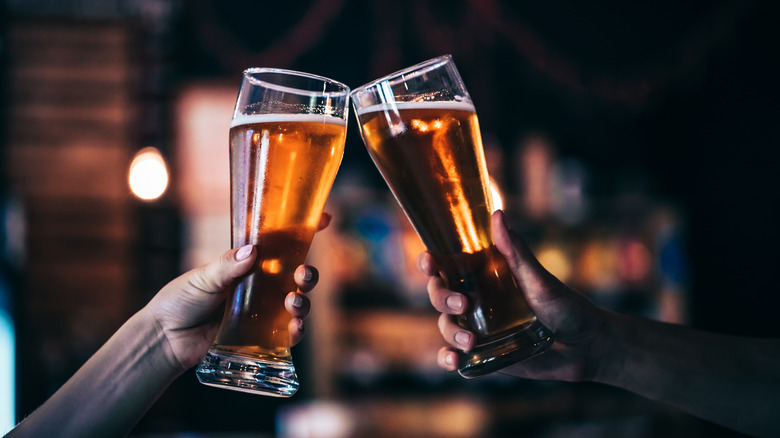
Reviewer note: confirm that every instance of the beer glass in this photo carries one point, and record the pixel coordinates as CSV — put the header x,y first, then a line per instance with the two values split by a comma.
x,y
421,130
286,144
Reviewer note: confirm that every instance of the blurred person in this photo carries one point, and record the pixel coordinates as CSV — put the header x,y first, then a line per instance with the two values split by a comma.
x,y
112,391
728,380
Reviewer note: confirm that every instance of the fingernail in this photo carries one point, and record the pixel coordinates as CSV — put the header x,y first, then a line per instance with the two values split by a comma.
x,y
307,274
463,338
454,302
448,360
297,301
243,252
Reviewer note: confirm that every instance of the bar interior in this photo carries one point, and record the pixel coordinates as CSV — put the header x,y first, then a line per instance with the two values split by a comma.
x,y
634,147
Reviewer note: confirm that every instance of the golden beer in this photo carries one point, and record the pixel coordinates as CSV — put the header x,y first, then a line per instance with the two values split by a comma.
x,y
430,155
420,128
286,144
282,169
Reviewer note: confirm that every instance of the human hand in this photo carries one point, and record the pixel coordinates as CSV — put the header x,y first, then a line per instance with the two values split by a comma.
x,y
188,309
578,325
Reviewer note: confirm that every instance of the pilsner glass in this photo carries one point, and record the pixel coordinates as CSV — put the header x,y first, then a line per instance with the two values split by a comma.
x,y
420,128
286,144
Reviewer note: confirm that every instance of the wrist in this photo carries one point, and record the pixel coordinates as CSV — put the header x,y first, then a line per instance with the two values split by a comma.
x,y
607,359
157,351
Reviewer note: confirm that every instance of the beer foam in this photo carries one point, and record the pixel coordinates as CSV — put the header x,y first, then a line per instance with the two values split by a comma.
x,y
439,105
275,118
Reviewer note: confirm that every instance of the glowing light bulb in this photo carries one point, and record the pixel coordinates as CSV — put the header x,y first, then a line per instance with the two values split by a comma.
x,y
148,176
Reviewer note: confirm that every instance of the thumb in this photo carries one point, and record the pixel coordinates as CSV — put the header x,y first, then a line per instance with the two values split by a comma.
x,y
532,276
208,282
191,297
216,276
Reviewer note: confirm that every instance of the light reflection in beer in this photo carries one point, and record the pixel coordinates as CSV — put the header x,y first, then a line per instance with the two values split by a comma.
x,y
478,320
422,126
259,179
419,125
390,111
459,207
271,266
494,270
288,181
397,128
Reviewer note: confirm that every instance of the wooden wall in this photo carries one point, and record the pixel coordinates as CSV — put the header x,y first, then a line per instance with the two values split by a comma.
x,y
70,118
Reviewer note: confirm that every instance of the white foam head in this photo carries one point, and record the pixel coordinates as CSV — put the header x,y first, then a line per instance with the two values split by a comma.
x,y
439,105
300,118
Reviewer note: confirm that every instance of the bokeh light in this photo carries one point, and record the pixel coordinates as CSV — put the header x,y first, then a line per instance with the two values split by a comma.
x,y
148,176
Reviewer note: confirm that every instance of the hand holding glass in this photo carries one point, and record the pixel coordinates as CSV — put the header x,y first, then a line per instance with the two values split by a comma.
x,y
286,144
421,130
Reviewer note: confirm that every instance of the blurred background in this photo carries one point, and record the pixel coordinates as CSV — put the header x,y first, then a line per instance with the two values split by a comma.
x,y
635,148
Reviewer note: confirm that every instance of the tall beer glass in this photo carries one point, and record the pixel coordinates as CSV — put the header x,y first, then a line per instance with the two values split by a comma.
x,y
420,128
286,144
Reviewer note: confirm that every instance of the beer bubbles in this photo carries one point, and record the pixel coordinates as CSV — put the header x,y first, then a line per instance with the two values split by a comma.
x,y
148,176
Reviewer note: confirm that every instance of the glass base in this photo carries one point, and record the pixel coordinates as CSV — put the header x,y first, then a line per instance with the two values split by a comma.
x,y
530,340
247,374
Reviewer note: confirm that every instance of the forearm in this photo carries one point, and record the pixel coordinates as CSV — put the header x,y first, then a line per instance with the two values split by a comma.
x,y
729,380
112,390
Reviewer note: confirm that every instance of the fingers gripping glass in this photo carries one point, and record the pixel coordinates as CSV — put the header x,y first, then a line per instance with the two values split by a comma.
x,y
286,144
421,130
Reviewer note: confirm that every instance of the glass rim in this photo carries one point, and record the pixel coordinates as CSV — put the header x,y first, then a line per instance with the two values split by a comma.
x,y
418,69
343,88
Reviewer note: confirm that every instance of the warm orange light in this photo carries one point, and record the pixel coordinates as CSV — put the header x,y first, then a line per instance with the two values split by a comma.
x,y
148,176
555,260
419,125
495,196
271,266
